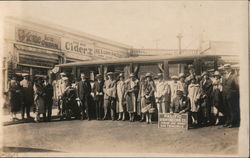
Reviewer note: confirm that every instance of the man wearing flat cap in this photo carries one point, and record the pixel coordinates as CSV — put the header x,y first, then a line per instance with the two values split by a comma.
x,y
109,90
162,94
84,94
231,97
28,95
98,95
206,85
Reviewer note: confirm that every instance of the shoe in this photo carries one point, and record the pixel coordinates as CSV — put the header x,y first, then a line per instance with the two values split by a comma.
x,y
225,125
230,126
113,119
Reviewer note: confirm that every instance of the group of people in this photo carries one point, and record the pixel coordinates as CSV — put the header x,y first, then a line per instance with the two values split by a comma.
x,y
202,97
24,94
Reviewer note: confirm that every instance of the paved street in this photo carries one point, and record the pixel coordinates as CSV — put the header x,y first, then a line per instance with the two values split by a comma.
x,y
117,136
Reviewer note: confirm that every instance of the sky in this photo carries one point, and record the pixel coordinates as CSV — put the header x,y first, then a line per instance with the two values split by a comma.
x,y
141,24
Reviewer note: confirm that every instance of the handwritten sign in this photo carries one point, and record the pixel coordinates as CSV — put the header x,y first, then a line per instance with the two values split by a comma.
x,y
168,120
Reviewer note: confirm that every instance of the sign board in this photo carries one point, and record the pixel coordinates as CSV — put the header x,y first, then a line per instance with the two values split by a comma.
x,y
88,48
173,120
37,38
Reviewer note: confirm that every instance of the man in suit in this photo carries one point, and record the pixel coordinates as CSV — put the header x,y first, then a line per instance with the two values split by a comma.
x,y
48,98
109,90
98,95
206,85
27,91
230,96
180,104
83,93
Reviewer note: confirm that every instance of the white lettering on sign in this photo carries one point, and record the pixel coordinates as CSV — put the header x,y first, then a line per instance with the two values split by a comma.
x,y
174,120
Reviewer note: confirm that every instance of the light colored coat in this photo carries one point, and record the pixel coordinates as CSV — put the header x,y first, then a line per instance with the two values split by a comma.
x,y
120,90
194,94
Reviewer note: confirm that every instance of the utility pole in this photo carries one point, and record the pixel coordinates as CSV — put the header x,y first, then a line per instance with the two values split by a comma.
x,y
179,36
180,67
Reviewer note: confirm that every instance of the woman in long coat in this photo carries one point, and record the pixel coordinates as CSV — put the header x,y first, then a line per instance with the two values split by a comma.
x,y
120,88
147,94
194,94
39,98
15,98
131,94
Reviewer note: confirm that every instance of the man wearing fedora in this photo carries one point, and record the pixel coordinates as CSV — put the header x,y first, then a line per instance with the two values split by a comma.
x,y
98,95
206,85
231,97
83,93
27,91
109,90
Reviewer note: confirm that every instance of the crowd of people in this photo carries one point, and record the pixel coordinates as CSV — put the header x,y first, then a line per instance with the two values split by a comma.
x,y
205,98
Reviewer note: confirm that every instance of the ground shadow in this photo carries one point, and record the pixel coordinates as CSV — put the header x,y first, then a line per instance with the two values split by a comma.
x,y
25,149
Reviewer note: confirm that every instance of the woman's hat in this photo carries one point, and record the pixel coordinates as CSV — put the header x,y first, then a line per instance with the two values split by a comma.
x,y
110,73
204,73
99,76
174,77
148,75
181,75
216,73
132,75
179,92
190,66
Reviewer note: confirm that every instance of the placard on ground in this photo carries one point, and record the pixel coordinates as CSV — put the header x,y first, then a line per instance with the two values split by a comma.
x,y
174,121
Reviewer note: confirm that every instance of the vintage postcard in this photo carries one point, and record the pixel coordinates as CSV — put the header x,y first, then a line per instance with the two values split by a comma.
x,y
124,78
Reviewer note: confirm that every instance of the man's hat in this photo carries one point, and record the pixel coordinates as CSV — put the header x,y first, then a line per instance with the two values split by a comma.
x,y
174,77
148,75
65,78
227,66
62,74
121,75
204,73
25,74
216,73
160,75
190,66
179,92
181,75
110,73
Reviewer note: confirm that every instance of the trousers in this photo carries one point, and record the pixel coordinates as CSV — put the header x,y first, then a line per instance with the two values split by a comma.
x,y
109,104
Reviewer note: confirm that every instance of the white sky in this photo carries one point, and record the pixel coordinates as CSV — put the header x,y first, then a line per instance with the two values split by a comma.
x,y
140,23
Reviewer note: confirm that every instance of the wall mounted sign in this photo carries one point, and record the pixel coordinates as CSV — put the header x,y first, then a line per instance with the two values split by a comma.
x,y
37,38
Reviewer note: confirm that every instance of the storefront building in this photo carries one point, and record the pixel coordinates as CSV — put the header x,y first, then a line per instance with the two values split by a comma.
x,y
35,48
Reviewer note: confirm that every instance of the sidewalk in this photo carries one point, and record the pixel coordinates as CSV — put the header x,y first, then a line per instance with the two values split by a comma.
x,y
7,120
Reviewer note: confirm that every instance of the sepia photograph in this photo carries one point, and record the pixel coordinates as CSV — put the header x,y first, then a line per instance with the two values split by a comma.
x,y
124,78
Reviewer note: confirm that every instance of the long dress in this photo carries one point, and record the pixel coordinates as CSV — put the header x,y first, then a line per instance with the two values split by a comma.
x,y
132,88
194,95
15,96
39,98
120,96
217,94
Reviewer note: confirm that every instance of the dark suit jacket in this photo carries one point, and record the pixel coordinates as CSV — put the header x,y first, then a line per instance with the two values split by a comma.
x,y
48,90
206,88
98,87
231,85
177,105
83,89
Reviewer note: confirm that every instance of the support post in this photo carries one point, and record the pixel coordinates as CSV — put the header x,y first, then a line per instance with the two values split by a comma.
x,y
166,70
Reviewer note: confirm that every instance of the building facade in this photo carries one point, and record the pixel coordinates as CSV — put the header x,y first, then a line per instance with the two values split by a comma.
x,y
35,48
